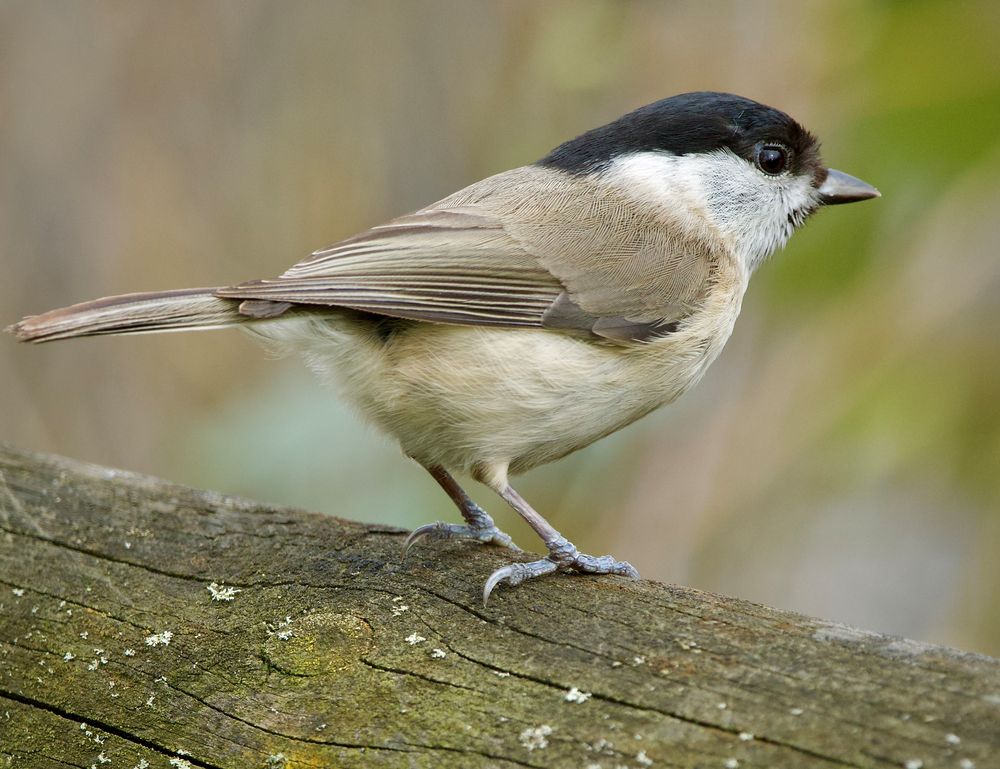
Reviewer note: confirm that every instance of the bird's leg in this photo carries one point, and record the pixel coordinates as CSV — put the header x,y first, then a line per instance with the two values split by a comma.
x,y
478,523
563,555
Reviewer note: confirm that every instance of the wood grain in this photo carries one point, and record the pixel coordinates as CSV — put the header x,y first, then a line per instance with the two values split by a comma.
x,y
118,648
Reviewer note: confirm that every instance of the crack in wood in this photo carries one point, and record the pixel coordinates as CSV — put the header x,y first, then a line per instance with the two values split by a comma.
x,y
103,726
665,713
421,676
847,693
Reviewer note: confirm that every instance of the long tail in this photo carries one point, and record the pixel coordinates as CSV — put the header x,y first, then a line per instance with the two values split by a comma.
x,y
190,308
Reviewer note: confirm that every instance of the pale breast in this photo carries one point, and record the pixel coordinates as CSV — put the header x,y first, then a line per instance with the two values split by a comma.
x,y
463,396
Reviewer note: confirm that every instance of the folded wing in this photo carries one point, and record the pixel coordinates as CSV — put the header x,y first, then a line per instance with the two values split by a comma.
x,y
571,256
442,264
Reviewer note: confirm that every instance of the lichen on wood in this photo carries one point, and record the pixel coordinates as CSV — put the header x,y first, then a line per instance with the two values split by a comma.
x,y
143,624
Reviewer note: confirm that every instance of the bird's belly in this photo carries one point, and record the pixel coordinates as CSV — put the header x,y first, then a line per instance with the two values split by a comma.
x,y
465,396
517,397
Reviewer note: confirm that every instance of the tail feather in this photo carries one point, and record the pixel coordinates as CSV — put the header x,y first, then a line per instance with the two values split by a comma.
x,y
191,308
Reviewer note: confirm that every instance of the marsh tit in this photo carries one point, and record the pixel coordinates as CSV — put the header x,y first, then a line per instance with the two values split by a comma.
x,y
533,312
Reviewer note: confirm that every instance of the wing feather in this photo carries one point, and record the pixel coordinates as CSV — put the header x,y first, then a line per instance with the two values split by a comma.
x,y
572,255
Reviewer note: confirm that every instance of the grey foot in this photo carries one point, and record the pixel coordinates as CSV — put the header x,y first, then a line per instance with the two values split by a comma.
x,y
480,528
563,556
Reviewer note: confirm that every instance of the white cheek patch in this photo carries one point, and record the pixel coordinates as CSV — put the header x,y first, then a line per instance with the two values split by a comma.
x,y
755,213
659,179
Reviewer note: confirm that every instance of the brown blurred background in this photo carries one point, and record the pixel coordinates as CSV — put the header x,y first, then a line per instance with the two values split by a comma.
x,y
842,458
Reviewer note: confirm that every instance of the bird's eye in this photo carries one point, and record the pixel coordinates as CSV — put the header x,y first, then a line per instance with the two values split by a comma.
x,y
772,159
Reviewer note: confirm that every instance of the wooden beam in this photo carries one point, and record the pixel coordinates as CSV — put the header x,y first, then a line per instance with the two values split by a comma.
x,y
143,624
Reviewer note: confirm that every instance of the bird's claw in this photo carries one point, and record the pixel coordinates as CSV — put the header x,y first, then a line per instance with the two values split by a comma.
x,y
563,557
516,573
604,564
487,534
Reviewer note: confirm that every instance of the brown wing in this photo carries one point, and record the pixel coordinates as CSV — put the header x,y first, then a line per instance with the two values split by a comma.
x,y
441,264
571,255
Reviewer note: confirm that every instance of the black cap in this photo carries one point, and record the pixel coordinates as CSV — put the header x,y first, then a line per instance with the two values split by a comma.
x,y
698,122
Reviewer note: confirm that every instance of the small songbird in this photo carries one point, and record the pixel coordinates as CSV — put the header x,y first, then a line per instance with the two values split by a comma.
x,y
535,311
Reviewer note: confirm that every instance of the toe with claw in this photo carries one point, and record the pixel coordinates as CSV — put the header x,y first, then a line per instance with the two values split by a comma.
x,y
487,534
563,556
516,573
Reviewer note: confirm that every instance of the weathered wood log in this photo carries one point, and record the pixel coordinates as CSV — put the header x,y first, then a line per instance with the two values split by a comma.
x,y
143,624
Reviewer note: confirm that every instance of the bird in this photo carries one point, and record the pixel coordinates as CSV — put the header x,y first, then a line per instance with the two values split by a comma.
x,y
535,311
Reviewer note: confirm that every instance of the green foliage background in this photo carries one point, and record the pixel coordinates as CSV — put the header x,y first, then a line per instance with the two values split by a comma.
x,y
842,458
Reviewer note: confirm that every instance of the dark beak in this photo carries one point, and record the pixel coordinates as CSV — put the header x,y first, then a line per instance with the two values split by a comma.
x,y
842,188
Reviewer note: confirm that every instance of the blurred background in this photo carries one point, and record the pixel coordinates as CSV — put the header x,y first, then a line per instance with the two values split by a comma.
x,y
841,458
